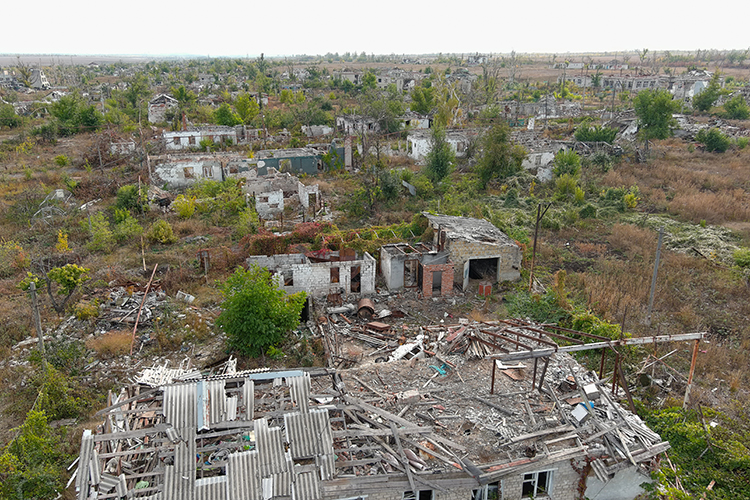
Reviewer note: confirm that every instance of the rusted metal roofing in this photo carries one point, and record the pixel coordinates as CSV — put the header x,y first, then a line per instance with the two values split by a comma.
x,y
243,480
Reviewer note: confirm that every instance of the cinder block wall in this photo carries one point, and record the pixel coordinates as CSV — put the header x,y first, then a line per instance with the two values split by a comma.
x,y
509,264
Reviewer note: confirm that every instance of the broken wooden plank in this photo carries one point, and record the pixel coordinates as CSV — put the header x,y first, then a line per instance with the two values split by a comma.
x,y
493,405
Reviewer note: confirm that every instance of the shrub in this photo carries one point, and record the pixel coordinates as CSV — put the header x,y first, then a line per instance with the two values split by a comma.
x,y
736,108
13,258
131,198
565,187
62,242
102,238
161,232
742,257
601,160
247,223
596,134
184,206
86,310
567,162
713,139
588,212
126,226
62,161
742,142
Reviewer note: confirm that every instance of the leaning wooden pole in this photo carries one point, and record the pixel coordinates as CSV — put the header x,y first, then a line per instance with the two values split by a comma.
x,y
138,317
692,371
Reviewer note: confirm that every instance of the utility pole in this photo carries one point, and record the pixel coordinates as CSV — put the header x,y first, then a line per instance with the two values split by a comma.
x,y
653,278
38,324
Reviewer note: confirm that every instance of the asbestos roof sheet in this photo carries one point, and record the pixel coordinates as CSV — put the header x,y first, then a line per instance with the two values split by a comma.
x,y
243,479
269,442
306,486
309,434
299,390
180,406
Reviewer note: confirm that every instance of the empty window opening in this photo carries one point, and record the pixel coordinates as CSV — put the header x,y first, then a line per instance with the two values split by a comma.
x,y
191,140
536,484
418,495
312,200
188,172
288,278
176,140
334,275
483,269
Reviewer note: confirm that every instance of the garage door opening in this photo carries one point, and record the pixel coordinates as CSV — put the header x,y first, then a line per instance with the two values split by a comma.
x,y
483,269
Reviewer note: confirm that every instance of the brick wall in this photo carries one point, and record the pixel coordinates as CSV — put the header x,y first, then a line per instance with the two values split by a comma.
x,y
509,256
446,285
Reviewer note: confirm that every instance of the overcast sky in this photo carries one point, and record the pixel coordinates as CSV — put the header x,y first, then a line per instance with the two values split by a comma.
x,y
290,27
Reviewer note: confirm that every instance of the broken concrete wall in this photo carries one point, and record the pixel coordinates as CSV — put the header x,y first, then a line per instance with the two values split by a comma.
x,y
394,258
509,257
419,143
308,195
186,139
269,203
625,485
184,173
540,164
563,483
321,278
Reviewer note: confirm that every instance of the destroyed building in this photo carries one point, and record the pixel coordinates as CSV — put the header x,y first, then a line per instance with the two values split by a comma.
x,y
321,273
419,142
477,249
159,106
271,189
307,160
420,266
191,137
183,170
534,425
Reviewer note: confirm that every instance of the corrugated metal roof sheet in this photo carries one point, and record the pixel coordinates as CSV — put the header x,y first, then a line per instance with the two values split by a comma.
x,y
326,466
179,406
212,488
243,479
270,447
282,484
84,463
299,390
231,408
309,434
248,399
306,487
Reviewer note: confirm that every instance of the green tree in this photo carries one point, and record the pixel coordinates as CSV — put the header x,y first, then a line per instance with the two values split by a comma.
x,y
8,116
225,116
500,158
186,98
31,464
440,159
736,108
708,96
247,108
654,109
72,115
567,162
66,279
369,81
422,100
256,313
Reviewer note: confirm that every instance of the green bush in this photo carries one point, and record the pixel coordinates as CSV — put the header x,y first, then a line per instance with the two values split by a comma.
x,y
742,142
742,257
565,187
566,162
161,232
131,198
596,134
126,226
184,206
736,108
102,237
588,212
713,139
